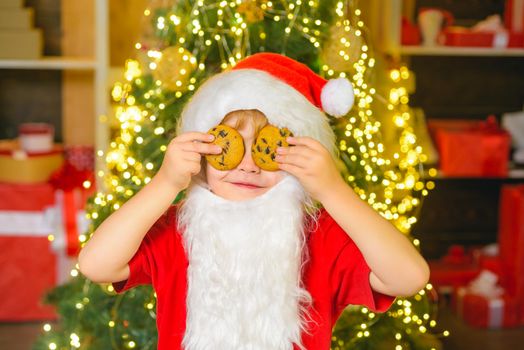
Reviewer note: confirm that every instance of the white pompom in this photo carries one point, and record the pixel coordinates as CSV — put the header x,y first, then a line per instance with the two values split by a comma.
x,y
337,97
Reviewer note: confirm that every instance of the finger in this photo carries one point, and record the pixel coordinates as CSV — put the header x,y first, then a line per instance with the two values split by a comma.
x,y
294,150
194,136
202,148
195,169
192,156
304,141
292,169
293,159
192,162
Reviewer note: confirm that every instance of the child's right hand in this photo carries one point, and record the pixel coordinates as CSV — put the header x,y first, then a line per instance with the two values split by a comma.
x,y
183,158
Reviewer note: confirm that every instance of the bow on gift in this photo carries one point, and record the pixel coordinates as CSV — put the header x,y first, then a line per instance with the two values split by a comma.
x,y
486,285
68,177
67,216
490,125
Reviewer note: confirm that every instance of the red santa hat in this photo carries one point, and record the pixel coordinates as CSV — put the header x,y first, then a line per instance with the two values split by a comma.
x,y
288,92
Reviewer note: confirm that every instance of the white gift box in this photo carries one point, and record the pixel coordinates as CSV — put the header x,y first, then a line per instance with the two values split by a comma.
x,y
36,137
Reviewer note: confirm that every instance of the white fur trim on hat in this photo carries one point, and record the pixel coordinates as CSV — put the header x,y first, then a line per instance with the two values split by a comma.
x,y
283,105
337,97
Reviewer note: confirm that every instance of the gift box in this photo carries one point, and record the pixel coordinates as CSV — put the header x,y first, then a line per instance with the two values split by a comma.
x,y
483,312
457,268
511,240
465,37
446,277
514,15
29,44
484,304
18,166
81,157
471,148
410,33
30,263
10,4
36,137
491,263
461,36
16,18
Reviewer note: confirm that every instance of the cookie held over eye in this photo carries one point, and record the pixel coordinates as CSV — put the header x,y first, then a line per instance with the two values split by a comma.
x,y
264,149
232,145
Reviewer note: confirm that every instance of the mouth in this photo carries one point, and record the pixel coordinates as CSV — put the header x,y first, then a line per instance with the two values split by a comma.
x,y
245,185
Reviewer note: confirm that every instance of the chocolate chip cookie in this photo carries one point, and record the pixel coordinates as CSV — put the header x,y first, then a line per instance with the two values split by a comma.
x,y
232,145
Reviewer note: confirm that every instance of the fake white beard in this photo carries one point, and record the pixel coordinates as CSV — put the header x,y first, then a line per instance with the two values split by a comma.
x,y
245,260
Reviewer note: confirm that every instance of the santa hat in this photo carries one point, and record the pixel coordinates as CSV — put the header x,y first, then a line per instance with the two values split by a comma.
x,y
289,94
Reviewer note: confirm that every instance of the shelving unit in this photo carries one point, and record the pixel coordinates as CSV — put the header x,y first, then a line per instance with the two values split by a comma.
x,y
53,62
459,51
461,210
387,17
85,66
514,175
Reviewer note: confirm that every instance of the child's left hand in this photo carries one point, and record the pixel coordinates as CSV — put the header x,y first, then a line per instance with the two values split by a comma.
x,y
311,163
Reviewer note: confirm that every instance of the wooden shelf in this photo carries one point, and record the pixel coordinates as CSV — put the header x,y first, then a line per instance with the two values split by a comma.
x,y
51,62
514,175
386,17
460,51
84,64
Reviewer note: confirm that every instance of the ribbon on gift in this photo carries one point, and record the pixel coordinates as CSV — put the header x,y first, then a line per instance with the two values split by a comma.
x,y
496,312
486,285
68,219
71,197
494,25
494,307
64,220
69,177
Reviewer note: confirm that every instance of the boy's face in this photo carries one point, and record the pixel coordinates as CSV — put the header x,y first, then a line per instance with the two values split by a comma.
x,y
247,180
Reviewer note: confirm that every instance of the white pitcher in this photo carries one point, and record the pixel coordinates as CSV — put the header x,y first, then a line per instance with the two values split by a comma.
x,y
430,20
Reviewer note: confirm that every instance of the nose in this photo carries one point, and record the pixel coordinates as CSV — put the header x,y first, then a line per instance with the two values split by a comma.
x,y
247,164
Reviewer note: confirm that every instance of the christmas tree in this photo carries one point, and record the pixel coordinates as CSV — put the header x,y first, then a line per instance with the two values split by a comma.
x,y
189,41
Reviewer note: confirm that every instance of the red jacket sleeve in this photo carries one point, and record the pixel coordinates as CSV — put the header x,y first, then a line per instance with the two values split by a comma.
x,y
154,248
349,272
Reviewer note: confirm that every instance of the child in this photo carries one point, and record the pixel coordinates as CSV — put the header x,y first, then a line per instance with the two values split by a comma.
x,y
248,260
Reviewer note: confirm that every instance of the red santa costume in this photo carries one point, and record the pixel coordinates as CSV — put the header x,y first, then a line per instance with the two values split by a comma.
x,y
267,273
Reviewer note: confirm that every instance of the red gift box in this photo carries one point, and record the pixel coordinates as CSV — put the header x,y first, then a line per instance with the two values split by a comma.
x,y
31,265
460,36
486,312
472,148
27,262
491,263
457,268
465,37
82,158
410,33
514,15
511,241
447,277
